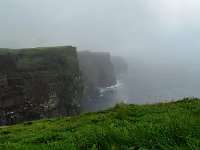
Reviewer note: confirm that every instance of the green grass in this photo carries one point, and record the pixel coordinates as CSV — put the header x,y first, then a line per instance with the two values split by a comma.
x,y
174,125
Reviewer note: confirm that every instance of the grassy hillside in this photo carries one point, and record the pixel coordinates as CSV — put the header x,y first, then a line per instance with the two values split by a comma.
x,y
174,125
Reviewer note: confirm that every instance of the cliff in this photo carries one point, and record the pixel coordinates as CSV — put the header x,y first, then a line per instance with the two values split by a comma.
x,y
97,71
39,83
119,64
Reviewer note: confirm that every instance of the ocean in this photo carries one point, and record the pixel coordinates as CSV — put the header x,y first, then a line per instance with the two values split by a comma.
x,y
149,83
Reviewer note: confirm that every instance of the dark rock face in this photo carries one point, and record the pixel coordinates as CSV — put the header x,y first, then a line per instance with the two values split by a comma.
x,y
119,64
97,71
39,83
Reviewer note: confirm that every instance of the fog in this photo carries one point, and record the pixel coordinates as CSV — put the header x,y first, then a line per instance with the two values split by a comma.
x,y
159,39
153,30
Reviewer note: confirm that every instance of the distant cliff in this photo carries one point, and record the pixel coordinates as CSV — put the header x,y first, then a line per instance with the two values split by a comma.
x,y
97,71
119,64
39,83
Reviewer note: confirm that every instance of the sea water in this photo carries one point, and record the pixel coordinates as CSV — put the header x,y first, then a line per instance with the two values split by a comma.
x,y
147,83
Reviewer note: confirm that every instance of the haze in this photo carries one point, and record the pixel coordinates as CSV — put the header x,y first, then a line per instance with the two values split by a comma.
x,y
153,30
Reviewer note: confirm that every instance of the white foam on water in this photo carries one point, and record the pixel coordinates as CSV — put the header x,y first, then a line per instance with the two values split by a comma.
x,y
110,88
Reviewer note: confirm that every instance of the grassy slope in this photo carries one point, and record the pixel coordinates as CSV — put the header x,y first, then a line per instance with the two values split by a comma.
x,y
174,125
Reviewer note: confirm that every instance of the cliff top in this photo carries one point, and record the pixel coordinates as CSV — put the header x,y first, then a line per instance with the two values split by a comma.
x,y
37,58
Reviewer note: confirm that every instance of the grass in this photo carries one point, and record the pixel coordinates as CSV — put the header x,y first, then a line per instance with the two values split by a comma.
x,y
174,125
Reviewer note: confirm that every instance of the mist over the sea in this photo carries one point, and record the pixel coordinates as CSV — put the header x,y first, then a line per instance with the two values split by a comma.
x,y
147,83
150,83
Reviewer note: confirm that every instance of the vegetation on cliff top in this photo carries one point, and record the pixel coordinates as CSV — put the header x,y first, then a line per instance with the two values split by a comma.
x,y
174,125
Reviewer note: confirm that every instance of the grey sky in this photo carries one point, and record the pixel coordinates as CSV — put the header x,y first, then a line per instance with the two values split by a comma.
x,y
154,29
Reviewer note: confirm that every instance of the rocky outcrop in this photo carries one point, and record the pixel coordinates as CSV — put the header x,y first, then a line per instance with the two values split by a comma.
x,y
119,64
39,83
97,71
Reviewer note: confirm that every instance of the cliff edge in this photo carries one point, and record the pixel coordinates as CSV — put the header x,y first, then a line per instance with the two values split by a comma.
x,y
119,64
97,71
39,83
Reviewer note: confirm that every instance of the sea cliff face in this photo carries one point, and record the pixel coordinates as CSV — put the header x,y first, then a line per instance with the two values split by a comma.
x,y
119,64
97,71
39,83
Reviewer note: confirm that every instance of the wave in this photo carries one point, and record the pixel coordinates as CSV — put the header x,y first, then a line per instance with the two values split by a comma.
x,y
110,88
